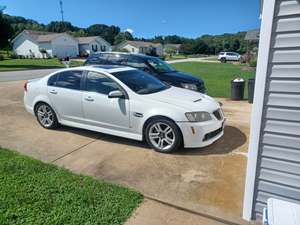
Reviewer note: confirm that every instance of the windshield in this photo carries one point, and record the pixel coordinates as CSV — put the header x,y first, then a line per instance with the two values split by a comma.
x,y
140,82
160,66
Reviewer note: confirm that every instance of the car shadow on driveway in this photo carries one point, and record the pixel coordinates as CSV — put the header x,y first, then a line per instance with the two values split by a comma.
x,y
233,139
103,137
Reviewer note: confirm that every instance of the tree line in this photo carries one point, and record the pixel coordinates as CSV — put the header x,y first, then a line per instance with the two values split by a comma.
x,y
10,26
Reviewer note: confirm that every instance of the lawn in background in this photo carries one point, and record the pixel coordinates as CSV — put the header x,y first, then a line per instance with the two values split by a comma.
x,y
32,192
217,76
27,64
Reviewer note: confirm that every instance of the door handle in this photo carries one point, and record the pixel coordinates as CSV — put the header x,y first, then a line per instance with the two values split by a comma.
x,y
53,92
89,99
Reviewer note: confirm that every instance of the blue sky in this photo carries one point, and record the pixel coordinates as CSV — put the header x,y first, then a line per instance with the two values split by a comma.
x,y
189,18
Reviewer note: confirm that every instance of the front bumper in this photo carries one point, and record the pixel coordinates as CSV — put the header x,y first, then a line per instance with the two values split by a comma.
x,y
197,135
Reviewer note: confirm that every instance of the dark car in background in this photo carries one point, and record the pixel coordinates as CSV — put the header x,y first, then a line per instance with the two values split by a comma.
x,y
149,64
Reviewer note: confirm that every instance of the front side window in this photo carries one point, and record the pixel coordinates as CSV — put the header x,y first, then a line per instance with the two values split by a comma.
x,y
69,79
140,82
160,66
96,82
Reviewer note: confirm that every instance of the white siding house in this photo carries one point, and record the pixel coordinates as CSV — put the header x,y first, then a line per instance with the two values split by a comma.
x,y
88,45
273,169
33,43
142,47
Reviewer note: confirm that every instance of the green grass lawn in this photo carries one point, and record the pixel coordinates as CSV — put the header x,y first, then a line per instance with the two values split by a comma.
x,y
217,76
26,64
32,192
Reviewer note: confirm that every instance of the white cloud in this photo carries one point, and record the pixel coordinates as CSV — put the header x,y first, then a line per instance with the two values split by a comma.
x,y
129,30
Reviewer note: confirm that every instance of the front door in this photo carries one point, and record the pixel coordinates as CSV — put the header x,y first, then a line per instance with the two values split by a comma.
x,y
65,95
99,110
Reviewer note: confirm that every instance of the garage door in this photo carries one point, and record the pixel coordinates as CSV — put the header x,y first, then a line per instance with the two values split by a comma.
x,y
62,51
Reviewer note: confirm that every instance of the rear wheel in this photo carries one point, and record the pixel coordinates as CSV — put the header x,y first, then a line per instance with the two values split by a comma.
x,y
223,60
46,116
163,135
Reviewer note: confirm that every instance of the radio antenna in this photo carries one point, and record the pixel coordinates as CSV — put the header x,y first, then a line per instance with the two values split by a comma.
x,y
61,10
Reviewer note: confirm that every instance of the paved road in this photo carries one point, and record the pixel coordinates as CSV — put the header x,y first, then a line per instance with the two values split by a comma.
x,y
24,75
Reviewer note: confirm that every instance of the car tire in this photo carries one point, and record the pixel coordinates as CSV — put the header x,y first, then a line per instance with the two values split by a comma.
x,y
223,60
163,135
46,116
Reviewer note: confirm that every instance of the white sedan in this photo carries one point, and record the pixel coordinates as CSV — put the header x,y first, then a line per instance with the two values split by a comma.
x,y
125,102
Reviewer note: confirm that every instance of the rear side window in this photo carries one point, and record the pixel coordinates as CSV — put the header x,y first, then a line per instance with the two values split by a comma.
x,y
69,79
96,60
117,59
136,63
52,80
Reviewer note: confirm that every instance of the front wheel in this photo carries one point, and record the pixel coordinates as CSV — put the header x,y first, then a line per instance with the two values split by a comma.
x,y
163,135
46,116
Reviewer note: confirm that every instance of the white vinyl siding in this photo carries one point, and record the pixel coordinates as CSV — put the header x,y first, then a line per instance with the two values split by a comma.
x,y
24,46
278,163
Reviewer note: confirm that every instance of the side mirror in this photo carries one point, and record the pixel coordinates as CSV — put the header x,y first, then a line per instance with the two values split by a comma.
x,y
116,94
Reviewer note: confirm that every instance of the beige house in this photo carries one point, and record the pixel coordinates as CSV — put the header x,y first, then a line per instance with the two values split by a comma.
x,y
141,47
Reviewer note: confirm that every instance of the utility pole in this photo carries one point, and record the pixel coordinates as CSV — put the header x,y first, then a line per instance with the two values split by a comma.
x,y
61,10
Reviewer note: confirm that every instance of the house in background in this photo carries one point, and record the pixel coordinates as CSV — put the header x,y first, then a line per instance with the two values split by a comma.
x,y
176,48
37,44
88,45
252,38
142,47
273,169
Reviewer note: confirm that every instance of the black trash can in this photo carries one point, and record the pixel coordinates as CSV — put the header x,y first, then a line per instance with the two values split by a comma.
x,y
251,85
237,89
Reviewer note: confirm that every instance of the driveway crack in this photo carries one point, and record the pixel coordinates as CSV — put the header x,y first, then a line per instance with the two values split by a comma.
x,y
76,149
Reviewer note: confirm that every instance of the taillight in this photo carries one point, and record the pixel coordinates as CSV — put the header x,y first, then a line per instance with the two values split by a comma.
x,y
25,86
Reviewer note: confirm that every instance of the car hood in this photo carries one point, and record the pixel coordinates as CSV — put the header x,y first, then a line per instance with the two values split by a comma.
x,y
185,77
187,99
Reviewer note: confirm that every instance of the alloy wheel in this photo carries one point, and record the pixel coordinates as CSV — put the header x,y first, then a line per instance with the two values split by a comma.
x,y
45,115
162,136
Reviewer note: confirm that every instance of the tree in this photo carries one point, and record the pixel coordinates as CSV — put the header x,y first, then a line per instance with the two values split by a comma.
x,y
122,36
60,27
106,32
6,32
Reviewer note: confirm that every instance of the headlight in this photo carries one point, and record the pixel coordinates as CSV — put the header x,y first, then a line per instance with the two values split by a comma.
x,y
198,116
189,86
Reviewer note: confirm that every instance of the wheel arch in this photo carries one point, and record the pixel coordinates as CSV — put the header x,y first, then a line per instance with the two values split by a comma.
x,y
45,102
159,117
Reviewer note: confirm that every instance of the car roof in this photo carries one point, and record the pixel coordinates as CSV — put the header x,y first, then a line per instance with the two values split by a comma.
x,y
102,68
123,53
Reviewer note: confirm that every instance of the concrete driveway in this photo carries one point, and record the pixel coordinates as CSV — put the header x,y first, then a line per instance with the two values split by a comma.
x,y
208,181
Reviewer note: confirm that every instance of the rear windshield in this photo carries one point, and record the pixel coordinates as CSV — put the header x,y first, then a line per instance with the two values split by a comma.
x,y
140,82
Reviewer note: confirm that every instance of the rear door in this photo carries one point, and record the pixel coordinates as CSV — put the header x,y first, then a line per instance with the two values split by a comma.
x,y
99,110
65,94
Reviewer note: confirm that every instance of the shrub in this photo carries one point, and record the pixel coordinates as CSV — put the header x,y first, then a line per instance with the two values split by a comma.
x,y
13,56
253,63
1,57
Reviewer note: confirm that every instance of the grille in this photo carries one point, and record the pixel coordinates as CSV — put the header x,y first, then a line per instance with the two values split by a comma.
x,y
212,134
218,114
